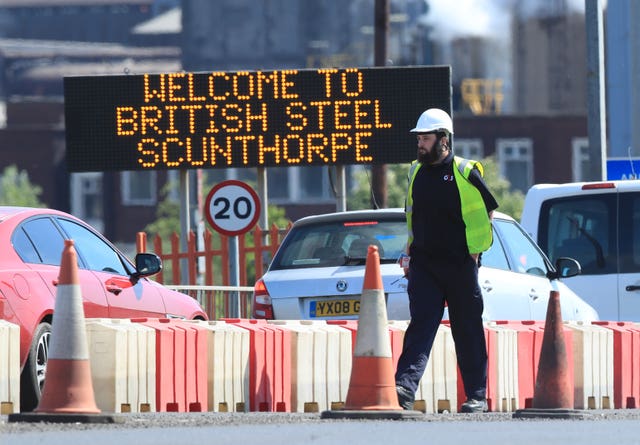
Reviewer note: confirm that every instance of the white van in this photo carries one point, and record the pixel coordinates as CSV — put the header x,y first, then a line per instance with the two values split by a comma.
x,y
598,224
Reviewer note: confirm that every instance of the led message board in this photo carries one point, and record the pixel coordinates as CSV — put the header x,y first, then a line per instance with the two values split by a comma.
x,y
249,118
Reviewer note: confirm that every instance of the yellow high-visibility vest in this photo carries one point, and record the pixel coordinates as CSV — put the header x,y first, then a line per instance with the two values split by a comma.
x,y
474,213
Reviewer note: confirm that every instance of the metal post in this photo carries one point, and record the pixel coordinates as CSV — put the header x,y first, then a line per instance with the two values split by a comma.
x,y
381,33
596,105
262,194
185,225
263,222
234,276
341,186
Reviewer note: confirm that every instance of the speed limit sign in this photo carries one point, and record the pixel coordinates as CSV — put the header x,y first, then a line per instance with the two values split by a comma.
x,y
232,207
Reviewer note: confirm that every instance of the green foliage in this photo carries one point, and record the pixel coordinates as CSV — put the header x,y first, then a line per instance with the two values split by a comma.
x,y
510,201
167,216
17,190
276,215
360,196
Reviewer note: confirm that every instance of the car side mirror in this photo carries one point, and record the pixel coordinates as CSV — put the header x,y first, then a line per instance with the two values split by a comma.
x,y
565,268
147,264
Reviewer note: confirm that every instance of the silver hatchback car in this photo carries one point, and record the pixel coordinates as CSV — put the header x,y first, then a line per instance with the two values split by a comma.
x,y
318,271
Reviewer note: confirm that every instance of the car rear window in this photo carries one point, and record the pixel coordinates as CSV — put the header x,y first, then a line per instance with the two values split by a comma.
x,y
338,243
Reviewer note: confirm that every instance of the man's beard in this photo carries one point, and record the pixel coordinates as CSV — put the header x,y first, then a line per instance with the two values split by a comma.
x,y
431,156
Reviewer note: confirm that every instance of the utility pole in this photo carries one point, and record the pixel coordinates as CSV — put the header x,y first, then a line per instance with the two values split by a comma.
x,y
596,106
381,34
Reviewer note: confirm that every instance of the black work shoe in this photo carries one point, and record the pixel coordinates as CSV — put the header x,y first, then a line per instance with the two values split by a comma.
x,y
405,397
474,406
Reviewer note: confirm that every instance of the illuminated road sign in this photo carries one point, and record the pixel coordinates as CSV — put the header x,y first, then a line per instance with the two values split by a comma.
x,y
249,118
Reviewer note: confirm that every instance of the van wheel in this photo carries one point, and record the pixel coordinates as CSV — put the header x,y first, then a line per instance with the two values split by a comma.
x,y
32,378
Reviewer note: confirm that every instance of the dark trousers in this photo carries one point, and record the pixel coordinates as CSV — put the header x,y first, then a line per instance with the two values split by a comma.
x,y
431,283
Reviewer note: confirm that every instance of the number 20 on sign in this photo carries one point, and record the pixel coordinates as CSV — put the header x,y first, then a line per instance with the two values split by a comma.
x,y
232,208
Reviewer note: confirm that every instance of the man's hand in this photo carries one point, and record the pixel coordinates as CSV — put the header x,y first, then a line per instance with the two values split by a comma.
x,y
403,261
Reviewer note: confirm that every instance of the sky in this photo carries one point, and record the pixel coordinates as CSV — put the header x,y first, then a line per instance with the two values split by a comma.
x,y
482,18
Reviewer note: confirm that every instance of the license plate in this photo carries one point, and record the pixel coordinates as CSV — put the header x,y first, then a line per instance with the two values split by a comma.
x,y
334,308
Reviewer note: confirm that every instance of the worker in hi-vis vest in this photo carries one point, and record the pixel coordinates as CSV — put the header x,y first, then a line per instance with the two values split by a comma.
x,y
448,208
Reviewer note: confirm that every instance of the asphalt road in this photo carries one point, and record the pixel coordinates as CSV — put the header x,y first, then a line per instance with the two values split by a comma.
x,y
617,427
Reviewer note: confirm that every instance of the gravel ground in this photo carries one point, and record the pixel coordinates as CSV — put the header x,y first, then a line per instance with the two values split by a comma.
x,y
172,420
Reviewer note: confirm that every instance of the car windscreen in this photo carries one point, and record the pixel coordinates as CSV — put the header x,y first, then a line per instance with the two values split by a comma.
x,y
582,228
340,243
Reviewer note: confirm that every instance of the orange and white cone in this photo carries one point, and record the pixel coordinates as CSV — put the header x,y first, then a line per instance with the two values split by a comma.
x,y
68,387
553,394
372,388
67,395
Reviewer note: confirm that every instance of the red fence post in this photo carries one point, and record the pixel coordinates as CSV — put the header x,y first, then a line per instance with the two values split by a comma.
x,y
157,247
175,258
192,258
208,259
210,253
141,242
257,242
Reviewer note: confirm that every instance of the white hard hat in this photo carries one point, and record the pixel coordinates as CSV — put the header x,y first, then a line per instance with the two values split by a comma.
x,y
433,119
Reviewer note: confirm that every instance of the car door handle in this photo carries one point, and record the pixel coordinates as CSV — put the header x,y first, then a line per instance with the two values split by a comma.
x,y
487,286
632,288
113,288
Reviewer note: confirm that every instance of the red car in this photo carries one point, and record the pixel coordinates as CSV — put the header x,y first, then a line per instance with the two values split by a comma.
x,y
32,240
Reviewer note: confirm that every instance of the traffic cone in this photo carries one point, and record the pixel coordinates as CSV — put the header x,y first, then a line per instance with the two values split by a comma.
x,y
67,395
553,393
372,389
